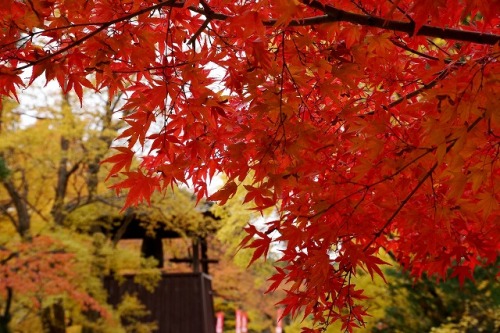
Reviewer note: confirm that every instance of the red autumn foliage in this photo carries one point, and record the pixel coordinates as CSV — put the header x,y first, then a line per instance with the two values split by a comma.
x,y
369,124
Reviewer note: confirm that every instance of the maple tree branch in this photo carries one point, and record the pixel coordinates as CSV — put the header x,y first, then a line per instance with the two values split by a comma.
x,y
416,188
365,187
427,175
438,47
334,300
443,74
4,209
409,49
338,15
401,10
414,93
168,3
149,69
208,16
199,31
407,198
401,206
332,14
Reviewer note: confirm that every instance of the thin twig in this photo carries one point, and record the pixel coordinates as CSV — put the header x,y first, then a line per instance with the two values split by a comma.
x,y
77,42
417,187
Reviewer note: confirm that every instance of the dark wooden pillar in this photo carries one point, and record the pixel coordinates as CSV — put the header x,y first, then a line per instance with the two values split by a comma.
x,y
153,247
204,255
196,255
199,256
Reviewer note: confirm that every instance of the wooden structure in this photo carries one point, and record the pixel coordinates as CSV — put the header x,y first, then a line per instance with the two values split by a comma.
x,y
181,302
132,227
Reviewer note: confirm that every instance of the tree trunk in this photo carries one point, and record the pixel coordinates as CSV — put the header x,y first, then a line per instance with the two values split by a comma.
x,y
105,137
63,174
23,216
5,317
23,222
53,318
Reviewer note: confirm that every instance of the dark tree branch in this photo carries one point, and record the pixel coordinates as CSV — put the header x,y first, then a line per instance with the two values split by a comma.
x,y
338,15
36,210
94,164
23,216
8,303
332,14
403,203
102,27
401,11
129,217
405,47
442,75
11,256
199,32
4,208
5,317
401,206
62,183
63,175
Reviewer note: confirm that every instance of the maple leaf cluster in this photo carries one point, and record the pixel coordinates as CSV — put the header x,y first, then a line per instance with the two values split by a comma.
x,y
368,125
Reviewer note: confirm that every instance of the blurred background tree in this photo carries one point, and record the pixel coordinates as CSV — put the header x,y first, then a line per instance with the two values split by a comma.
x,y
55,208
407,306
444,307
49,168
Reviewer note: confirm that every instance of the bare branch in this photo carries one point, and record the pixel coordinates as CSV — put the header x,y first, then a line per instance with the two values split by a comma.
x,y
339,15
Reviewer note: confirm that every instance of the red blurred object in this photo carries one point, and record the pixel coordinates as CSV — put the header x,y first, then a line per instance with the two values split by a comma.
x,y
279,321
238,321
219,327
244,322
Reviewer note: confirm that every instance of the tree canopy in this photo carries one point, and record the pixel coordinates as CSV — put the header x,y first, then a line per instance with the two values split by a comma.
x,y
367,125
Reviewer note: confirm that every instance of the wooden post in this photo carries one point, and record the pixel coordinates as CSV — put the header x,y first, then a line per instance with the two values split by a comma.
x,y
196,255
204,256
153,247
